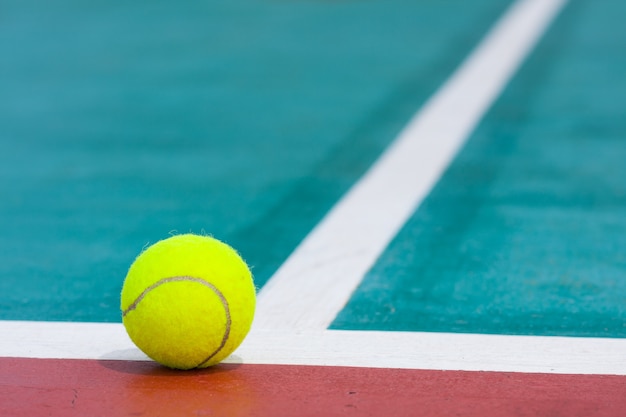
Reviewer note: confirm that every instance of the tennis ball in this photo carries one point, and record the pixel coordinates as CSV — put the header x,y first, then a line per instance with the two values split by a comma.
x,y
188,301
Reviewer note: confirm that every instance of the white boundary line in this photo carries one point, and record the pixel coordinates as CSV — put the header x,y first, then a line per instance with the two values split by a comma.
x,y
406,350
332,260
316,281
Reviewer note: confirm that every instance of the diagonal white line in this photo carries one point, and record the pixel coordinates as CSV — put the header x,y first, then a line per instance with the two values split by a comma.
x,y
316,281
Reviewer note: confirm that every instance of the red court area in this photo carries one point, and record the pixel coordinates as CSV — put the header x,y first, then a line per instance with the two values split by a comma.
x,y
50,387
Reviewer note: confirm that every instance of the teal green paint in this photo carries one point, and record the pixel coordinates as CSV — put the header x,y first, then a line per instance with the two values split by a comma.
x,y
525,233
123,121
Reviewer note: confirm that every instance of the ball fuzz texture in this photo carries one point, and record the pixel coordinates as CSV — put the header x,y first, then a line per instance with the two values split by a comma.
x,y
188,301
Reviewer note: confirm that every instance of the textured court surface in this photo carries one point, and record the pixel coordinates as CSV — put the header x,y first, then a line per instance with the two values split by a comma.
x,y
139,388
522,234
486,278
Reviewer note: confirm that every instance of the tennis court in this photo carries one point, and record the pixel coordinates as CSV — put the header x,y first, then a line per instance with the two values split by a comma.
x,y
431,196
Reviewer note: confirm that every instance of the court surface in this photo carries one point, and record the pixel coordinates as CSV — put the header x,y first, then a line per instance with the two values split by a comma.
x,y
431,196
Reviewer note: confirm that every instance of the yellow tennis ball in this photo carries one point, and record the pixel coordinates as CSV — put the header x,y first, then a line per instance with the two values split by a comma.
x,y
188,301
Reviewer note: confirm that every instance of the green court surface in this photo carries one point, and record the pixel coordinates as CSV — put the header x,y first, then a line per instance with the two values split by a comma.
x,y
121,123
525,233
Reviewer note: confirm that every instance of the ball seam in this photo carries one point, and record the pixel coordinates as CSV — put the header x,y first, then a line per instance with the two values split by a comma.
x,y
213,288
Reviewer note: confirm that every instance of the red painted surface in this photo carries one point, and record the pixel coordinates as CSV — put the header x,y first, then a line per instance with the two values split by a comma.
x,y
45,387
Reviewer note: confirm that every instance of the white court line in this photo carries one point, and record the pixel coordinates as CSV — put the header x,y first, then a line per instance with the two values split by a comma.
x,y
406,350
316,281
